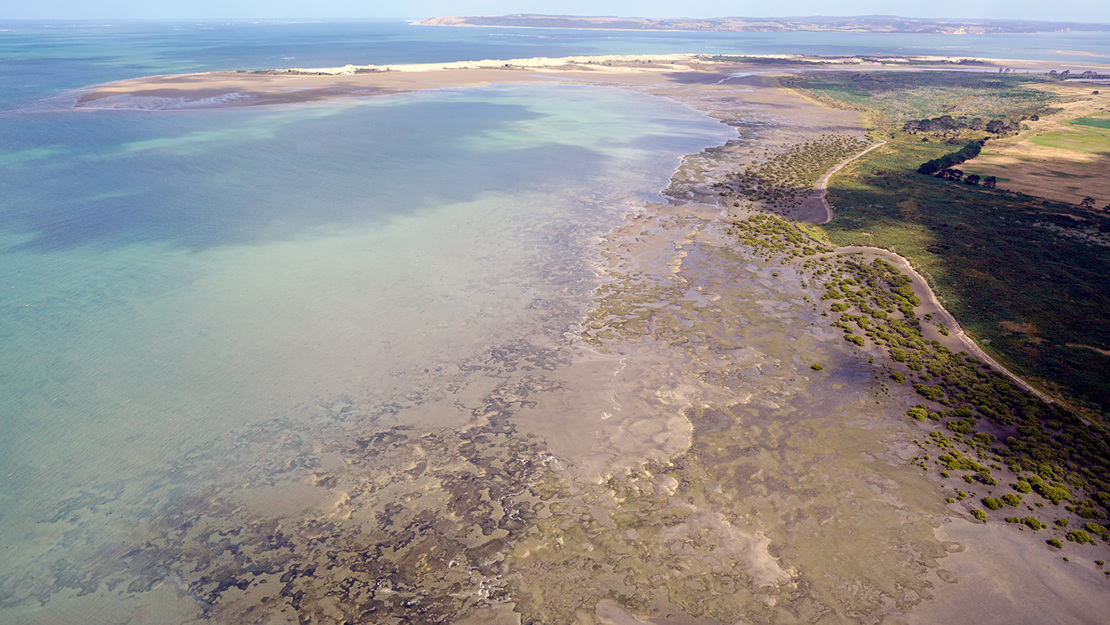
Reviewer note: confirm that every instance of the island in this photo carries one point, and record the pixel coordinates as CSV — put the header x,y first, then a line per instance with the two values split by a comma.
x,y
859,24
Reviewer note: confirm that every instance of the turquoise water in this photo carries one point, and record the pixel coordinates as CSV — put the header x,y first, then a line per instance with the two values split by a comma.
x,y
167,279
171,278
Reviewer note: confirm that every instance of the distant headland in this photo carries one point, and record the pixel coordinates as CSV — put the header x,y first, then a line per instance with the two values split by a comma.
x,y
861,24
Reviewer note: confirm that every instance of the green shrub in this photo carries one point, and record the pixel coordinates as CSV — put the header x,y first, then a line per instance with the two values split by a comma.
x,y
1061,522
898,377
852,338
1052,492
992,502
979,514
816,367
1033,523
1055,542
1023,487
929,391
1095,528
1079,536
961,426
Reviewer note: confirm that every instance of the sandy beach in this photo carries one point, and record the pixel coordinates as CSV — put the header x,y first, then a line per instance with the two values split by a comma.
x,y
733,478
294,85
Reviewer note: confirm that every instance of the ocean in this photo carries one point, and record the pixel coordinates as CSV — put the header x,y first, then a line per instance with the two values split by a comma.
x,y
174,283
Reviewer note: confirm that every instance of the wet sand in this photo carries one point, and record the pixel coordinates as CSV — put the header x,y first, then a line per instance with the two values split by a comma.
x,y
675,458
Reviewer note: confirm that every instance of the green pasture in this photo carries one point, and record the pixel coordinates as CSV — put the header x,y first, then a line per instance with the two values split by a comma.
x,y
1090,135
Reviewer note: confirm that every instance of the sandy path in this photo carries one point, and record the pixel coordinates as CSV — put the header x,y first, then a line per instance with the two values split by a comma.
x,y
958,338
958,335
822,186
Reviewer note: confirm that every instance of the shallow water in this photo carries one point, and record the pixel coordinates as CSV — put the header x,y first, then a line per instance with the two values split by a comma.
x,y
348,359
173,277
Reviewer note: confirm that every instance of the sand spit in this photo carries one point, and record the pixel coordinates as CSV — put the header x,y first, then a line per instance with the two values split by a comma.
x,y
293,85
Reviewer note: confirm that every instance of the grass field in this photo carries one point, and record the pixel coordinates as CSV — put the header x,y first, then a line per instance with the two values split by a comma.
x,y
1064,156
1085,136
1026,276
900,96
1099,122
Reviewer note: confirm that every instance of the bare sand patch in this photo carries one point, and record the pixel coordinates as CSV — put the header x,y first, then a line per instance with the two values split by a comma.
x,y
996,574
1013,326
1104,352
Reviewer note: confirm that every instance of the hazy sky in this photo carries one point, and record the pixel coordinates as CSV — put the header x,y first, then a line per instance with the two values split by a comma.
x,y
1067,10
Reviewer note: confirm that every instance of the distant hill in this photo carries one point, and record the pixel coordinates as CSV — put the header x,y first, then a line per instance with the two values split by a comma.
x,y
859,24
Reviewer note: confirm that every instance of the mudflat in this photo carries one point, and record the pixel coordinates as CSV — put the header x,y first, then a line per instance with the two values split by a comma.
x,y
707,449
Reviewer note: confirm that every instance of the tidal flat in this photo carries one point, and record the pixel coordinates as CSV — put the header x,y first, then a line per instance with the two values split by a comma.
x,y
700,446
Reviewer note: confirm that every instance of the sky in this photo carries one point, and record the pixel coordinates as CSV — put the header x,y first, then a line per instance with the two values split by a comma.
x,y
1066,10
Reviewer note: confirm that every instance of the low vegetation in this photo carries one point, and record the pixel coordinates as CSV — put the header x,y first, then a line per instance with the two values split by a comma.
x,y
981,421
785,179
1025,276
893,98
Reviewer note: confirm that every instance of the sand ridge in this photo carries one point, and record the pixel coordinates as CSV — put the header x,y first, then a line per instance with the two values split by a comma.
x,y
295,85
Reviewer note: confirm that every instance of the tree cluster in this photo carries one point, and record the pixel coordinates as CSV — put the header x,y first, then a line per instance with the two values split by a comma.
x,y
968,152
946,123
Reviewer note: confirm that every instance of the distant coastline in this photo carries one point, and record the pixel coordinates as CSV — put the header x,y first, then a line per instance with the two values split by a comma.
x,y
856,24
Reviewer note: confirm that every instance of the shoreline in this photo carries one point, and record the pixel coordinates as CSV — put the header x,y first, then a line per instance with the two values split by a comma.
x,y
226,89
674,250
158,93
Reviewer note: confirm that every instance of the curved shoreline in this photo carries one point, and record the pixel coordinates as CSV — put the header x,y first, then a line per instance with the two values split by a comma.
x,y
654,74
821,187
957,331
863,477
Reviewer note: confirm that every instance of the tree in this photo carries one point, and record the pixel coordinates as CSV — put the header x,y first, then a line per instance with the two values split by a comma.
x,y
972,179
990,182
951,174
1088,202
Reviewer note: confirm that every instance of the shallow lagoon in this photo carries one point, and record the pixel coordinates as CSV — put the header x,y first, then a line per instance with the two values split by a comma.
x,y
340,360
174,277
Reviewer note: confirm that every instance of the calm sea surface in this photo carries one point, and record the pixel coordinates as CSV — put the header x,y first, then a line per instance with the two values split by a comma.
x,y
167,277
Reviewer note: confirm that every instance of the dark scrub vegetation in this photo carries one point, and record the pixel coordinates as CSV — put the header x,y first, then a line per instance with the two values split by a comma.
x,y
784,180
1026,277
